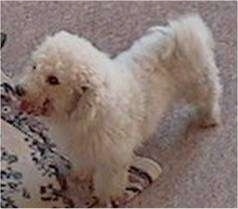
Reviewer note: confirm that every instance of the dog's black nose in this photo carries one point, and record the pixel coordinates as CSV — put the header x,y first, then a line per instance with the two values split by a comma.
x,y
20,91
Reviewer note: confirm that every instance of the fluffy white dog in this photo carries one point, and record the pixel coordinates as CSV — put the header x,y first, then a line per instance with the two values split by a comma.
x,y
101,109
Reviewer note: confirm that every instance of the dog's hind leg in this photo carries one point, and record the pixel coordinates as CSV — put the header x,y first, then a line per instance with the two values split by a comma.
x,y
205,100
197,74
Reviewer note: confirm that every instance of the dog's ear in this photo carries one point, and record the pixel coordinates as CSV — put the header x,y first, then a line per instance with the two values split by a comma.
x,y
79,82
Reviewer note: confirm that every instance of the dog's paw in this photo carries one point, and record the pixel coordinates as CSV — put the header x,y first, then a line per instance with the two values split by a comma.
x,y
79,176
205,120
202,124
109,203
209,122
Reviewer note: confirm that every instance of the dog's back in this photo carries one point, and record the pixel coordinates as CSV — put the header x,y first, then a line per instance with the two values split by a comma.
x,y
176,61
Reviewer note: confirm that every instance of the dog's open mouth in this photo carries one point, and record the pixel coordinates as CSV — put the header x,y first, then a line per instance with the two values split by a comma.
x,y
42,110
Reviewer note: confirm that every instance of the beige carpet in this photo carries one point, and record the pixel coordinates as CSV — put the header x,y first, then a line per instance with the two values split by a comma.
x,y
197,172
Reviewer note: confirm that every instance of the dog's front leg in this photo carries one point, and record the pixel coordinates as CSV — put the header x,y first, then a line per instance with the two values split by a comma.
x,y
110,180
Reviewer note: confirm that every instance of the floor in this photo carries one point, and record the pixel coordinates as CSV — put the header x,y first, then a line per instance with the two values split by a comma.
x,y
199,170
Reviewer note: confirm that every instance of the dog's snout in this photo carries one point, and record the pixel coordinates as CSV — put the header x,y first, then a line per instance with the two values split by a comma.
x,y
20,91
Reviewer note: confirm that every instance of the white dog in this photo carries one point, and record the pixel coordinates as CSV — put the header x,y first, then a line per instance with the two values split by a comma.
x,y
101,109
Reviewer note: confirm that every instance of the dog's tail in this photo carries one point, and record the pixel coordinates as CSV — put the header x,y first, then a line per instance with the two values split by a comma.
x,y
191,63
193,39
190,57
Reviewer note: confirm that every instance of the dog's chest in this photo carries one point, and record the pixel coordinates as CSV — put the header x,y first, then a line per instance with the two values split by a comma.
x,y
74,142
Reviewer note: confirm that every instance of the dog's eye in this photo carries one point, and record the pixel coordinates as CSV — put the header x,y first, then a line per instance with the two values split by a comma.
x,y
52,80
34,67
84,88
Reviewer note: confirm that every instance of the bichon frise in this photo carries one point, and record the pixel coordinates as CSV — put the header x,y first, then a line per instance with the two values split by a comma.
x,y
101,109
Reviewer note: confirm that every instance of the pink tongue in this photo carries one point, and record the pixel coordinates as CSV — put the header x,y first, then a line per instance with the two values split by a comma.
x,y
24,105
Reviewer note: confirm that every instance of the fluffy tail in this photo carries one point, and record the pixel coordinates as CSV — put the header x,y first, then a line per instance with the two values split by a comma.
x,y
189,55
192,65
193,39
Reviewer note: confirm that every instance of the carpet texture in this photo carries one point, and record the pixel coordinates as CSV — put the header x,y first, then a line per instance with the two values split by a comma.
x,y
198,170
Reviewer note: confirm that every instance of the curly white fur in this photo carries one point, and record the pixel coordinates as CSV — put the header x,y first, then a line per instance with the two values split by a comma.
x,y
104,108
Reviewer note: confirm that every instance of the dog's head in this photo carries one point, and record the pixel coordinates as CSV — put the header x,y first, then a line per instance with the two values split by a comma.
x,y
65,74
